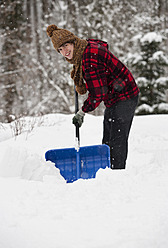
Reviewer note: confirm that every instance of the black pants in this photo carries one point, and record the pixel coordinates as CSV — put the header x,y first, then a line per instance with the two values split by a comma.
x,y
117,124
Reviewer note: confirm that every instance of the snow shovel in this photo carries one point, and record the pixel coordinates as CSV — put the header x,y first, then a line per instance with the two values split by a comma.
x,y
79,162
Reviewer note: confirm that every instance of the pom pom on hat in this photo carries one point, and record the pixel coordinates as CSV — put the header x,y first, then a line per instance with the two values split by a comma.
x,y
50,29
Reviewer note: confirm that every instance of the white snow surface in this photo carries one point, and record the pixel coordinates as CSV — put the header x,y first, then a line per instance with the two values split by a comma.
x,y
119,208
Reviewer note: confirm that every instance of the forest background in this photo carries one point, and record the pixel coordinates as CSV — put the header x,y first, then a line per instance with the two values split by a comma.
x,y
35,80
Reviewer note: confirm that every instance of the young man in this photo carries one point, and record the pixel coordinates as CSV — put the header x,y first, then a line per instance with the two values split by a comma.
x,y
106,78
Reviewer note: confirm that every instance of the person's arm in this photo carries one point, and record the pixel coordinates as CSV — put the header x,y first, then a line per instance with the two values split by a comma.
x,y
96,84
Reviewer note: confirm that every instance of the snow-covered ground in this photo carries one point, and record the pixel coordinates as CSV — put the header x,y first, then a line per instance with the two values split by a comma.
x,y
120,209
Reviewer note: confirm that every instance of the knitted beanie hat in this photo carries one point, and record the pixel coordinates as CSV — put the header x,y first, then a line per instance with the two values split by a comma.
x,y
59,36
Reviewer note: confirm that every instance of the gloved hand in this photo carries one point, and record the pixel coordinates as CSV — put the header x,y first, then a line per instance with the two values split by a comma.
x,y
78,118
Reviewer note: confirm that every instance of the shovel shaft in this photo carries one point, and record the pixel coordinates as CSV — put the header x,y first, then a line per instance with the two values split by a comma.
x,y
77,137
76,101
76,110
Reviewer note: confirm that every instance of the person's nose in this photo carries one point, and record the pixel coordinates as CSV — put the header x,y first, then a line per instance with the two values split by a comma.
x,y
64,50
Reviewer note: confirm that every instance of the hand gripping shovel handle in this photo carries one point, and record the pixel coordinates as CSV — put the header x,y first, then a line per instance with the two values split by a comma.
x,y
76,110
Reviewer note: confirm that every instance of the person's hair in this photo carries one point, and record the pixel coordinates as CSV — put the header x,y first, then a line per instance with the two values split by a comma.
x,y
70,42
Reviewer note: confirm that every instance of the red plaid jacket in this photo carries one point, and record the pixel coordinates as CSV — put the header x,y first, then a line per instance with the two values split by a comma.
x,y
107,78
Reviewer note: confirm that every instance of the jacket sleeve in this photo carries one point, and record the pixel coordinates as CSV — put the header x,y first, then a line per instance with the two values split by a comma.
x,y
96,84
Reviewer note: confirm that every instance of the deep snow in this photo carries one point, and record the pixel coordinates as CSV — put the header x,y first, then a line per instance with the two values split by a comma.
x,y
121,209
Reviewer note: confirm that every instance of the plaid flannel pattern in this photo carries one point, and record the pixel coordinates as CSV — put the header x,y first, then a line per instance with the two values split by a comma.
x,y
107,78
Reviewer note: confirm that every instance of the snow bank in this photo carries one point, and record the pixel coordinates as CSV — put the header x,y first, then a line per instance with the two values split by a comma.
x,y
123,209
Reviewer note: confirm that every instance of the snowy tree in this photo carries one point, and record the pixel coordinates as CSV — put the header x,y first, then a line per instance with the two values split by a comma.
x,y
11,56
48,81
150,65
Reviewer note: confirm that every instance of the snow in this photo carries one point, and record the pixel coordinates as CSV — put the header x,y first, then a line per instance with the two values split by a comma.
x,y
145,107
159,55
123,209
162,80
151,37
150,109
163,106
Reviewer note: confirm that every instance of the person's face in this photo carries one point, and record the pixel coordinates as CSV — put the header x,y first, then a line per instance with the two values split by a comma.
x,y
67,50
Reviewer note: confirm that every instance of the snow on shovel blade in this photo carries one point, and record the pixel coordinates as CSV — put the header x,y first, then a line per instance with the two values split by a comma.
x,y
83,163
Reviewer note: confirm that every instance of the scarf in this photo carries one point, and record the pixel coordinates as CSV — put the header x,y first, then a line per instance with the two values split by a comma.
x,y
76,73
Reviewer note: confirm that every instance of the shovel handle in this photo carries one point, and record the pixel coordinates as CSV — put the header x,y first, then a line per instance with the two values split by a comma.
x,y
76,110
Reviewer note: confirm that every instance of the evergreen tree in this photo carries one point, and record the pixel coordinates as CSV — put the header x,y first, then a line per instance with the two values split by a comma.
x,y
150,66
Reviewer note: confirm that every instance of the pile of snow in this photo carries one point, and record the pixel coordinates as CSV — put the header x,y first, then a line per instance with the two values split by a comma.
x,y
123,209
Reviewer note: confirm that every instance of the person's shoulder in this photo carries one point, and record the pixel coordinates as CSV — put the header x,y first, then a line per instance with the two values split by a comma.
x,y
98,42
91,45
95,55
95,46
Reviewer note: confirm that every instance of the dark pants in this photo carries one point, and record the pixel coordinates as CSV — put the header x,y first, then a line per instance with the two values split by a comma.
x,y
117,124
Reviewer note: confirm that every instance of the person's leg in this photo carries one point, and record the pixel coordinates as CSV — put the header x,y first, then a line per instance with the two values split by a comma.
x,y
117,124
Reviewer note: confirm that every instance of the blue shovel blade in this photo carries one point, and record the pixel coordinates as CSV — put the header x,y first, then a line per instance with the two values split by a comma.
x,y
84,163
